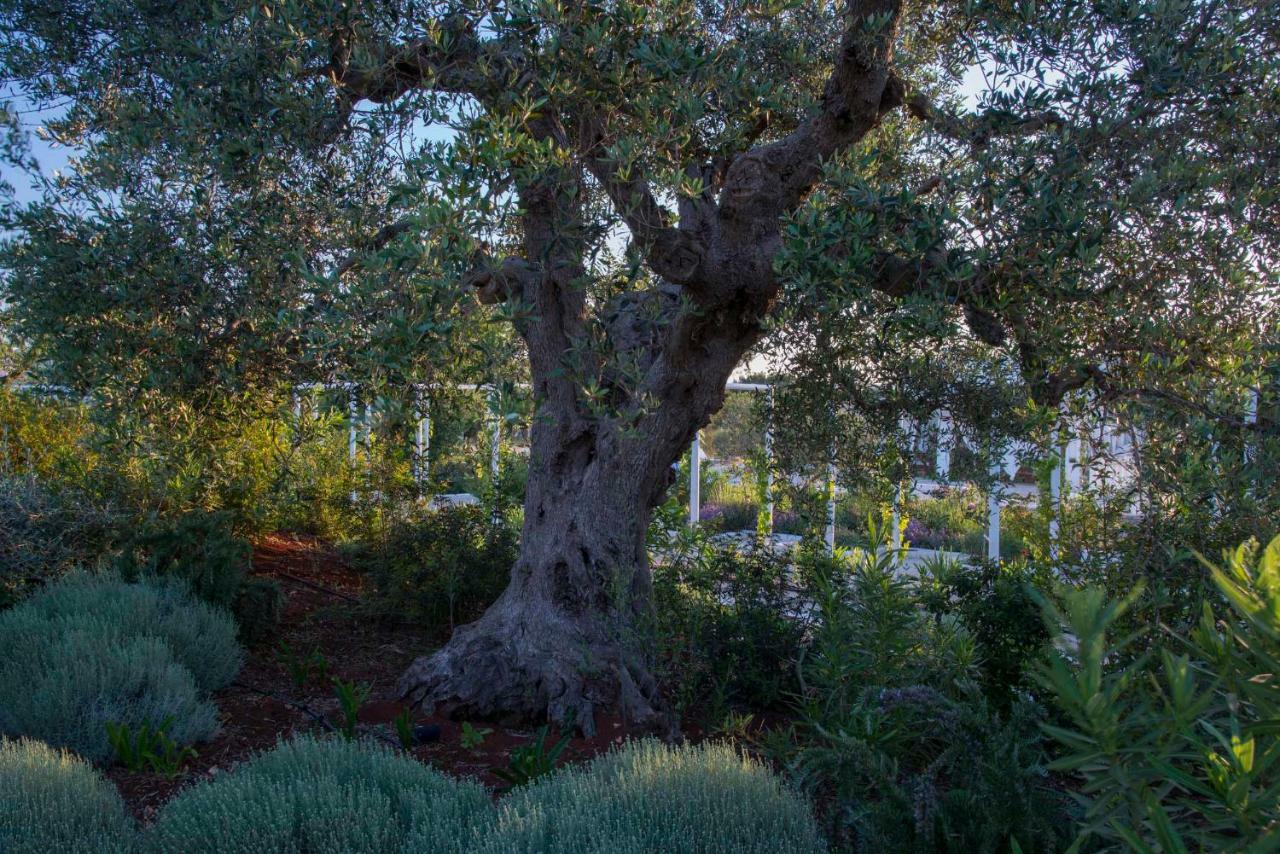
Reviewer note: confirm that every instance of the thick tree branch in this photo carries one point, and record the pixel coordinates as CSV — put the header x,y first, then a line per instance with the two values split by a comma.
x,y
498,282
381,238
978,130
672,253
451,60
768,180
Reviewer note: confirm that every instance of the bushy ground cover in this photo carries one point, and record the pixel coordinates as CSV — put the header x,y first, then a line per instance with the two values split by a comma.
x,y
51,800
91,650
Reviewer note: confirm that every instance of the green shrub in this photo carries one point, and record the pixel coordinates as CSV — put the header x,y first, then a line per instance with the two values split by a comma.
x,y
323,796
444,568
201,638
893,735
1173,737
647,797
87,651
52,801
726,628
996,604
198,547
45,534
258,608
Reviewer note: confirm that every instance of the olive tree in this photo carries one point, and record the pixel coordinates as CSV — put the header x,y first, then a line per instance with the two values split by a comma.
x,y
643,190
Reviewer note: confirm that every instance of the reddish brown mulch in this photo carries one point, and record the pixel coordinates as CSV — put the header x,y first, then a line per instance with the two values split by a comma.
x,y
323,612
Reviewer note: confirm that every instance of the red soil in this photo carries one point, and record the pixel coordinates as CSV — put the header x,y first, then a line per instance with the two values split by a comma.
x,y
323,611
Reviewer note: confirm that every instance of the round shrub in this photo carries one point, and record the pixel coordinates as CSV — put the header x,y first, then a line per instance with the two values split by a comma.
x,y
87,651
52,801
323,796
649,797
202,638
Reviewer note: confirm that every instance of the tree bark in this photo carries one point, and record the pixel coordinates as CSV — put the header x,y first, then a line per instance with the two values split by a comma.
x,y
568,637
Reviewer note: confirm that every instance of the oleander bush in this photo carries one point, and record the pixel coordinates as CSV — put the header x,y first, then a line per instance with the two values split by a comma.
x,y
1170,735
892,733
86,651
322,796
648,797
50,800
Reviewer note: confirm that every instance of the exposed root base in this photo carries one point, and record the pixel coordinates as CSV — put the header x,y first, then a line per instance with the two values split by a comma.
x,y
520,667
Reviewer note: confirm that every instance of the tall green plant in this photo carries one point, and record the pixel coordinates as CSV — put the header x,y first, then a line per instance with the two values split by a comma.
x,y
1174,736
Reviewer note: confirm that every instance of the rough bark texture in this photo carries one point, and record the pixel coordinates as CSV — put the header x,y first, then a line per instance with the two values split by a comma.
x,y
566,638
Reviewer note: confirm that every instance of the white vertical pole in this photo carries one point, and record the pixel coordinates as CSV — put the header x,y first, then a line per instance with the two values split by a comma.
x,y
352,409
495,450
367,429
942,462
768,457
1251,417
1055,500
993,513
831,502
695,482
1074,463
421,446
896,537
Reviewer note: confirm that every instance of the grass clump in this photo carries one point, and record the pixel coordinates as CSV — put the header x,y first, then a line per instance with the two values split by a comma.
x,y
322,796
650,797
87,651
52,801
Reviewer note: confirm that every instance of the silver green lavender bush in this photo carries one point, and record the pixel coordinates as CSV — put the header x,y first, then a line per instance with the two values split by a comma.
x,y
50,800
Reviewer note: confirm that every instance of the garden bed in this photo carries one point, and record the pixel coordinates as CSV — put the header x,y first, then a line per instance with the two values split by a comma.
x,y
323,612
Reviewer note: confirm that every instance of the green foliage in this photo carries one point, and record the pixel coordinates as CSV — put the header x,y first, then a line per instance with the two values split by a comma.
x,y
726,627
403,724
649,797
53,801
894,737
996,603
327,797
149,747
87,651
530,761
1173,736
46,534
199,547
442,568
313,667
257,610
202,637
351,696
473,736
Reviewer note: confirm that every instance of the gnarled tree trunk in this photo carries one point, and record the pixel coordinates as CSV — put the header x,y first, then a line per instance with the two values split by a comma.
x,y
568,637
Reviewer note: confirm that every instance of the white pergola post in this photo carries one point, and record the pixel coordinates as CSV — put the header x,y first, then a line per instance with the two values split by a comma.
x,y
422,446
1074,461
942,462
495,452
993,513
830,537
353,407
768,457
1055,501
695,481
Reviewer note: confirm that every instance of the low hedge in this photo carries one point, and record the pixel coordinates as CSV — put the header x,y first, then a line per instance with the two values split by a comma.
x,y
52,801
322,796
648,797
86,651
